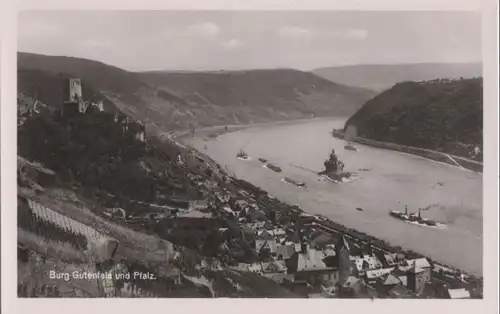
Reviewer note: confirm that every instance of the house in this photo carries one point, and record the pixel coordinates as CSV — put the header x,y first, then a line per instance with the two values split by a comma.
x,y
401,274
199,205
372,275
459,294
367,262
274,267
255,268
195,220
419,262
265,240
308,266
256,226
277,232
117,212
285,251
239,205
393,259
256,215
389,281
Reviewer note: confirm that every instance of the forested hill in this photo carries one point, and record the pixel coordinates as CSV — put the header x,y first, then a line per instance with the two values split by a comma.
x,y
181,100
380,77
260,95
443,115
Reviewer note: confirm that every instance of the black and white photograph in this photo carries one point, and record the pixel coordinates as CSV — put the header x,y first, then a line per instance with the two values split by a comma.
x,y
250,154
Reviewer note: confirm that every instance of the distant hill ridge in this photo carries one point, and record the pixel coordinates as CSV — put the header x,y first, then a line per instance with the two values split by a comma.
x,y
383,76
442,115
177,100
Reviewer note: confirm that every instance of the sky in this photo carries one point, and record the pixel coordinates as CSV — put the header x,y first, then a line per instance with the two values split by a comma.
x,y
230,40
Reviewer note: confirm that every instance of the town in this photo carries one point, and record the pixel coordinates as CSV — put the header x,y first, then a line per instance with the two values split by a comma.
x,y
233,225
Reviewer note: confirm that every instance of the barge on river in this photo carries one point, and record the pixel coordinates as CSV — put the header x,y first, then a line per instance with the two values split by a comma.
x,y
274,168
294,182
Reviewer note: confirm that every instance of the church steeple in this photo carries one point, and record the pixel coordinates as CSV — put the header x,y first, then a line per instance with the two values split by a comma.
x,y
346,266
342,244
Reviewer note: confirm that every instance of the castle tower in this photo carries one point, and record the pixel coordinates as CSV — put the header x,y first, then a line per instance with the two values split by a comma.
x,y
75,90
346,266
417,279
73,98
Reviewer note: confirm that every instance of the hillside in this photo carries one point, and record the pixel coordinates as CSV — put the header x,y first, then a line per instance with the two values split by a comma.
x,y
443,115
47,88
86,167
180,100
43,75
382,76
260,95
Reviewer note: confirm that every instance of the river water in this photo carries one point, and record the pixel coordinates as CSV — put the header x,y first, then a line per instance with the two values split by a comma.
x,y
388,181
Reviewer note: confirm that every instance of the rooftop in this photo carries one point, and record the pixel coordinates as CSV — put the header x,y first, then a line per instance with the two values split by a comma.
x,y
350,281
393,258
195,214
391,280
372,274
367,263
399,291
418,262
459,293
312,260
264,235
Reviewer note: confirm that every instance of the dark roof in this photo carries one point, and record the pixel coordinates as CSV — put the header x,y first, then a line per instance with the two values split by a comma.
x,y
391,280
342,243
265,235
399,291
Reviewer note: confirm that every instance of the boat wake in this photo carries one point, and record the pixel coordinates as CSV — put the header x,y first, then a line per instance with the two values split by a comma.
x,y
341,180
244,158
437,226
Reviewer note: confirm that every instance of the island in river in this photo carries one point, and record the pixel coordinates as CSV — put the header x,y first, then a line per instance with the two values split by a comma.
x,y
395,180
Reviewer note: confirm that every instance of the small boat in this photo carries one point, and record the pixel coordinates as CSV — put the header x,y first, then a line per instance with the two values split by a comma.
x,y
360,209
242,155
263,160
297,183
350,147
274,168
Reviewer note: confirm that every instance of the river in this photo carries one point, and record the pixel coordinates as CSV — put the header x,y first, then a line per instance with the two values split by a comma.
x,y
388,181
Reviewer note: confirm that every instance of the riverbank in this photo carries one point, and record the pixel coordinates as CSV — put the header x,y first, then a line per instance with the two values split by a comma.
x,y
340,228
425,153
213,132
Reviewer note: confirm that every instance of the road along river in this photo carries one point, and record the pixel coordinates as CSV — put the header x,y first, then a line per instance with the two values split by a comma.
x,y
388,180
